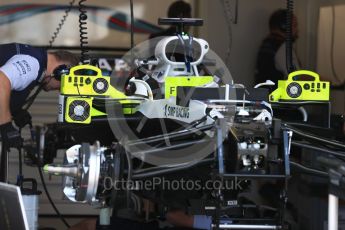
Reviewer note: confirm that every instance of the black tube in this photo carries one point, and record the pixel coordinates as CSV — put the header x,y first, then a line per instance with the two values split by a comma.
x,y
308,146
4,163
170,135
130,165
132,31
220,149
279,104
50,199
311,136
129,176
249,176
247,206
70,216
333,163
157,168
20,163
307,126
32,98
176,146
168,170
309,170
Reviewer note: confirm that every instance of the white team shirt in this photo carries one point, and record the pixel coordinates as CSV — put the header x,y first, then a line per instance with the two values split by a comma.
x,y
21,70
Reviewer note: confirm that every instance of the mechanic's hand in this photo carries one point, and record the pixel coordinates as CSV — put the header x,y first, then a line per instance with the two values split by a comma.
x,y
10,136
22,118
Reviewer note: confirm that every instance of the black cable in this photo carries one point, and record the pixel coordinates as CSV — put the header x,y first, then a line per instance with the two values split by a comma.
x,y
132,66
32,98
289,17
172,135
129,175
62,22
158,168
132,30
132,23
306,125
309,146
50,199
309,170
185,47
77,86
84,57
168,170
20,162
3,162
190,50
311,136
130,165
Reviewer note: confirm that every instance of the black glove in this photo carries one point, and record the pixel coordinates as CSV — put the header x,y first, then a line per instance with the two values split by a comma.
x,y
22,118
10,136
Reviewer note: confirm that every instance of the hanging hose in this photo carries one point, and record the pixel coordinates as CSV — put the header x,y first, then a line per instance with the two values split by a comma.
x,y
84,57
132,23
132,31
62,22
131,64
289,17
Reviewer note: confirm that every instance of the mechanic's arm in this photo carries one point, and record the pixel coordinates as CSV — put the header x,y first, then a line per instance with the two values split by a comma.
x,y
10,136
5,93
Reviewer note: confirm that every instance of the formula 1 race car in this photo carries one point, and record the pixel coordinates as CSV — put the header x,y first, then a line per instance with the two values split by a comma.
x,y
173,119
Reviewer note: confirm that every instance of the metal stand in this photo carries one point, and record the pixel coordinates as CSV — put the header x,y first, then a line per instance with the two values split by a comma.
x,y
333,203
104,216
220,151
336,192
224,175
336,188
3,163
247,226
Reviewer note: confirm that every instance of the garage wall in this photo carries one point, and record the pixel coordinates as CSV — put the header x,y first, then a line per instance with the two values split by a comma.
x,y
324,52
325,42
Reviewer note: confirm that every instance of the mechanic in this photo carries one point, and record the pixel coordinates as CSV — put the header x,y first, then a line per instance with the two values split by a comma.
x,y
22,68
178,9
271,60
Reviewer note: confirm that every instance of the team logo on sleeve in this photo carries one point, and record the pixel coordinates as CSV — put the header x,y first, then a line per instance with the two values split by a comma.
x,y
22,67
